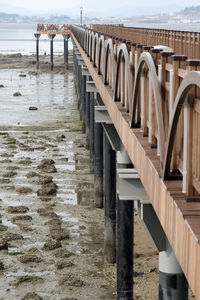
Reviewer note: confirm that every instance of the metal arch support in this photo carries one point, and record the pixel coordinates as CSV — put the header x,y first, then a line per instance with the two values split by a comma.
x,y
109,48
123,51
192,79
96,37
101,56
147,58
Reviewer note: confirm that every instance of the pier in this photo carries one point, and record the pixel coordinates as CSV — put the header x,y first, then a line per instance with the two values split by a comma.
x,y
139,99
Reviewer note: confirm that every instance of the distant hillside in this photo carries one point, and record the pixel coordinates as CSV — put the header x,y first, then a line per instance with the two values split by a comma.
x,y
192,11
15,18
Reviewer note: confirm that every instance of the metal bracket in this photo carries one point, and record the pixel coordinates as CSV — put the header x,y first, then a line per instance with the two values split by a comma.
x,y
85,71
102,115
81,62
152,226
112,136
91,87
130,188
130,185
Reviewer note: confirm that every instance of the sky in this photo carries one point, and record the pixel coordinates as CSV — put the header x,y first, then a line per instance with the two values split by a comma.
x,y
98,7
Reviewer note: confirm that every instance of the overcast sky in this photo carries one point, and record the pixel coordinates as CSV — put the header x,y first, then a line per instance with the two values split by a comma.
x,y
100,7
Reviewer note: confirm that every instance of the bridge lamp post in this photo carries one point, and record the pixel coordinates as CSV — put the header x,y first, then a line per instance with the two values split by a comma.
x,y
81,15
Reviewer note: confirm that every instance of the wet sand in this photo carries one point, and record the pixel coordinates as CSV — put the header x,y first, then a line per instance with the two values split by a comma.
x,y
51,236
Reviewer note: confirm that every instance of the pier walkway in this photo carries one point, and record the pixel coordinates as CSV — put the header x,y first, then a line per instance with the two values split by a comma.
x,y
142,87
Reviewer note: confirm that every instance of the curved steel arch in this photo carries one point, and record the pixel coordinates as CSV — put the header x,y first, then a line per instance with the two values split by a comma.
x,y
96,38
85,40
101,45
109,48
91,45
192,79
123,51
147,58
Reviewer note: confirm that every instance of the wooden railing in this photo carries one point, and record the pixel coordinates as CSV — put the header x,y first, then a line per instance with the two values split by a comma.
x,y
183,42
160,92
53,28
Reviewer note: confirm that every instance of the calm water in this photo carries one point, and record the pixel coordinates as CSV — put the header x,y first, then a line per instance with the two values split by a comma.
x,y
19,38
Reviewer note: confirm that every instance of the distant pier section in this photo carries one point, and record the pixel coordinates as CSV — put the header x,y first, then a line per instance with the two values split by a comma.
x,y
52,30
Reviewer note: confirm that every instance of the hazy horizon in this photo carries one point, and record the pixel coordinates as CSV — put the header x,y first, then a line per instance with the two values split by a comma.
x,y
92,8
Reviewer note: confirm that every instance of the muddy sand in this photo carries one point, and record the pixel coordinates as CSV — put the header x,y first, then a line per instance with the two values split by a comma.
x,y
51,236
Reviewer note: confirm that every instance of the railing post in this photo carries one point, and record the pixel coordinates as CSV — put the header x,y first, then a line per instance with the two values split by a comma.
x,y
192,151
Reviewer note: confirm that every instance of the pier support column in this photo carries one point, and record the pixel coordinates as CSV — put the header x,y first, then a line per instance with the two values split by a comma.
x,y
98,163
124,238
66,37
87,118
172,282
37,36
109,201
51,37
92,132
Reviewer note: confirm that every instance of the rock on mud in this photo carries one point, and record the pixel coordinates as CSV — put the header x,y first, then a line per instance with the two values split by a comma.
x,y
32,279
51,245
32,296
47,165
32,174
60,137
4,180
24,190
28,258
21,218
47,189
62,253
46,213
17,209
3,228
63,264
12,237
59,234
1,266
71,280
10,174
3,244
45,179
33,108
17,94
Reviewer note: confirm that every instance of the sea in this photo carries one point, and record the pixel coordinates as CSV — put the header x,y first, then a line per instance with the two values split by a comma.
x,y
19,38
